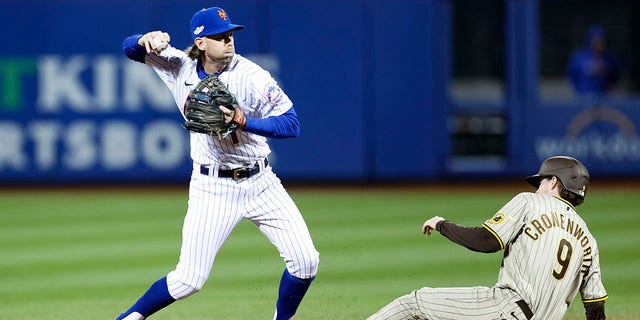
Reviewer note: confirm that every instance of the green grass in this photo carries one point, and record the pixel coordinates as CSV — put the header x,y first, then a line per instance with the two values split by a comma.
x,y
83,254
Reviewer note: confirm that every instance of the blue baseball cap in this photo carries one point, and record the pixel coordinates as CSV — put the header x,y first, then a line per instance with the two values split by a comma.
x,y
211,21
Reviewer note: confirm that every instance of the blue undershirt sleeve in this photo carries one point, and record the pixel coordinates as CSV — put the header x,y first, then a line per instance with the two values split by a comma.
x,y
278,127
132,49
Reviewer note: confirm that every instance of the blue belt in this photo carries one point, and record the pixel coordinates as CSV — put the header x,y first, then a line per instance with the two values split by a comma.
x,y
236,174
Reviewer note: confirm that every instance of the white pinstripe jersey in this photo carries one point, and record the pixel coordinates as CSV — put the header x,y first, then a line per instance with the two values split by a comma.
x,y
256,91
549,255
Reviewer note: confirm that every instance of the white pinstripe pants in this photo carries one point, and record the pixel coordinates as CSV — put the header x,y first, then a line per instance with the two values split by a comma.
x,y
217,205
454,303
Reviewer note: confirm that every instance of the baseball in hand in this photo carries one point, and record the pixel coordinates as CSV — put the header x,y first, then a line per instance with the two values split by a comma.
x,y
158,44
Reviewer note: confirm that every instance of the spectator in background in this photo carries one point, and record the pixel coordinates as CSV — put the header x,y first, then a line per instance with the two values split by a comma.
x,y
593,70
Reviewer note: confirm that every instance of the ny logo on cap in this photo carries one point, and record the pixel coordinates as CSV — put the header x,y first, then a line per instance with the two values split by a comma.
x,y
222,14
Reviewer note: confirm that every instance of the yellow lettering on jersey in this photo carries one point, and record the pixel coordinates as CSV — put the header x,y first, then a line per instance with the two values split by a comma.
x,y
579,232
536,224
537,227
569,227
531,235
546,221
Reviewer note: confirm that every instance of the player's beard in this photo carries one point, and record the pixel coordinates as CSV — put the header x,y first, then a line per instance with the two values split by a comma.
x,y
223,60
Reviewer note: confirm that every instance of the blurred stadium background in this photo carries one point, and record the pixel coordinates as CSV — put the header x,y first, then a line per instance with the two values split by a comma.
x,y
420,90
426,95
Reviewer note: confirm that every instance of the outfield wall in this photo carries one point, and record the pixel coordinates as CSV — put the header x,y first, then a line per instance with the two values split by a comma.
x,y
369,80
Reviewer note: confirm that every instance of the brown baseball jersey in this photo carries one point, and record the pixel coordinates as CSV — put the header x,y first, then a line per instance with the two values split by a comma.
x,y
549,255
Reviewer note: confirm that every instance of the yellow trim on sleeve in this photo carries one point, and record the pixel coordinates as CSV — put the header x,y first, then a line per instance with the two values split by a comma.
x,y
596,300
494,234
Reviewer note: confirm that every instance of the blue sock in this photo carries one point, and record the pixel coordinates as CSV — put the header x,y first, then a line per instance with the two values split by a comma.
x,y
156,298
290,294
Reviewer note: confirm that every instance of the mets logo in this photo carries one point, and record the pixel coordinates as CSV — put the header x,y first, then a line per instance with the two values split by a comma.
x,y
273,94
496,219
222,14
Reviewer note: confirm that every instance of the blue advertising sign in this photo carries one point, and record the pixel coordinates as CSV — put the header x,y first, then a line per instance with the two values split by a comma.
x,y
372,105
87,117
603,136
73,108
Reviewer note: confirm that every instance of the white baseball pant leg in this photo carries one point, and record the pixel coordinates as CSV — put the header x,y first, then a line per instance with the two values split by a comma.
x,y
480,303
276,215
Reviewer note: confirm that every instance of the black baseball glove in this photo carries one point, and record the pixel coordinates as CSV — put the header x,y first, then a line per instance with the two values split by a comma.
x,y
203,113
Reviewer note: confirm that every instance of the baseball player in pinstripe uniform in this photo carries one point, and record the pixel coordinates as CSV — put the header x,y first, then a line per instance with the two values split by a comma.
x,y
549,255
231,178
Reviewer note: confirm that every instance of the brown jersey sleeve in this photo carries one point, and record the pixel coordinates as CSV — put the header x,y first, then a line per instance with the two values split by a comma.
x,y
473,238
594,310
